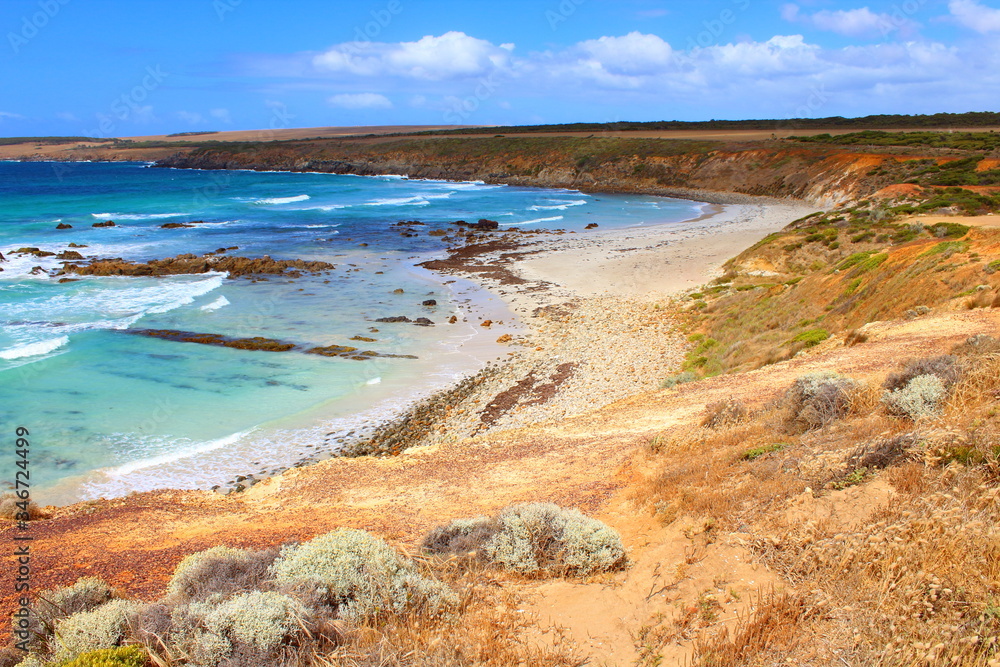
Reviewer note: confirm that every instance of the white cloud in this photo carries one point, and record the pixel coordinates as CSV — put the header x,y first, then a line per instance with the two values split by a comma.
x,y
451,55
635,53
971,14
861,22
191,117
360,101
221,115
11,116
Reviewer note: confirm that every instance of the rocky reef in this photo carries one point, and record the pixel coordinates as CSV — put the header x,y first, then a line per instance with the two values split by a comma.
x,y
190,263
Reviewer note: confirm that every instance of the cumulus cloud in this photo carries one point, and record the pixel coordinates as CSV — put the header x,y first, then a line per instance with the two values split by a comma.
x,y
221,115
973,15
360,101
191,117
448,56
635,53
861,22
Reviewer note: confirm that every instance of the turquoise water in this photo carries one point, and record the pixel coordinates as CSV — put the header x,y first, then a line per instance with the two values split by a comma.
x,y
111,412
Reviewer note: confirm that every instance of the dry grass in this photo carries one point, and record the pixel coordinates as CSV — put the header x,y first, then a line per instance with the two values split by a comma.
x,y
915,581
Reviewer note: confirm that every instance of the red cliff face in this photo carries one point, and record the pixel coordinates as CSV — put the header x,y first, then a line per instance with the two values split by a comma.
x,y
821,176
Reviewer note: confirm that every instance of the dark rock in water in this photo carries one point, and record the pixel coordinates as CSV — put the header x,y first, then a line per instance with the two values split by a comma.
x,y
592,225
395,318
189,264
2,258
175,225
69,254
63,225
36,270
256,343
398,290
333,350
65,280
364,339
429,302
438,232
423,322
77,245
461,223
486,225
453,319
220,251
108,223
32,251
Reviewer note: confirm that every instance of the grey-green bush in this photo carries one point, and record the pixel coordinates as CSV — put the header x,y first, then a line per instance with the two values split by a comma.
x,y
103,627
817,399
922,397
360,576
86,594
535,538
945,367
220,571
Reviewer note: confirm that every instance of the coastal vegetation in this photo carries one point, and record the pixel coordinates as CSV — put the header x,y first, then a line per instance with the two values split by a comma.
x,y
855,475
344,597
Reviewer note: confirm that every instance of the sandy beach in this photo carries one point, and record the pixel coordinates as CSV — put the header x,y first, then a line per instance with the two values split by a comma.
x,y
592,326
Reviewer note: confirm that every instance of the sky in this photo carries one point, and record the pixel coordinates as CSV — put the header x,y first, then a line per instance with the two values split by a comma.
x,y
112,68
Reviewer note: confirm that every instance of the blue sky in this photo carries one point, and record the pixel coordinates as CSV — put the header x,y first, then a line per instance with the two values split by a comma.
x,y
116,68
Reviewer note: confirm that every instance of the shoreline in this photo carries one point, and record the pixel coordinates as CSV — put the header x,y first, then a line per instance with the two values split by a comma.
x,y
529,386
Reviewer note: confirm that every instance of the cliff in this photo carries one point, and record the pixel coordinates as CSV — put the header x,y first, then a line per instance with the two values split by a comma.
x,y
711,171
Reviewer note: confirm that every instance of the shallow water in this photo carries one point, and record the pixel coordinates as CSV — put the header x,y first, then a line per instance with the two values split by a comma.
x,y
111,412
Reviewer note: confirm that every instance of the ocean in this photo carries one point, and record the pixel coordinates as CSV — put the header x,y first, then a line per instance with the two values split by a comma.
x,y
110,413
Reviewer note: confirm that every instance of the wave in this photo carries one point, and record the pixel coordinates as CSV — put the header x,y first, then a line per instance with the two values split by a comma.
x,y
221,302
558,205
201,448
34,349
135,216
532,222
399,201
282,200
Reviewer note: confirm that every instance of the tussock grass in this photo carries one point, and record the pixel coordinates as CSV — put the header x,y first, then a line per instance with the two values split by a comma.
x,y
911,581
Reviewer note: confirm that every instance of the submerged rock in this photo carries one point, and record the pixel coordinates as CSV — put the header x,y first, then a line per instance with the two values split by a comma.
x,y
255,343
394,318
175,225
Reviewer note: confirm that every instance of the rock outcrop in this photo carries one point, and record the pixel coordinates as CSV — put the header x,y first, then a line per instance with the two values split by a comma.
x,y
191,264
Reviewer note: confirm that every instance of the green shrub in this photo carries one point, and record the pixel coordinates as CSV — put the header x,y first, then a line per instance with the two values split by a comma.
x,y
817,399
360,576
993,266
811,337
221,571
123,656
921,397
101,628
757,452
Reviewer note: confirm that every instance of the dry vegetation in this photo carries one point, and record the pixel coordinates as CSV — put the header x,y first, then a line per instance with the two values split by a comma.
x,y
835,272
913,581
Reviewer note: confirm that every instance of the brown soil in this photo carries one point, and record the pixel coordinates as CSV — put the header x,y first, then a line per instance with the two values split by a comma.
x,y
586,462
